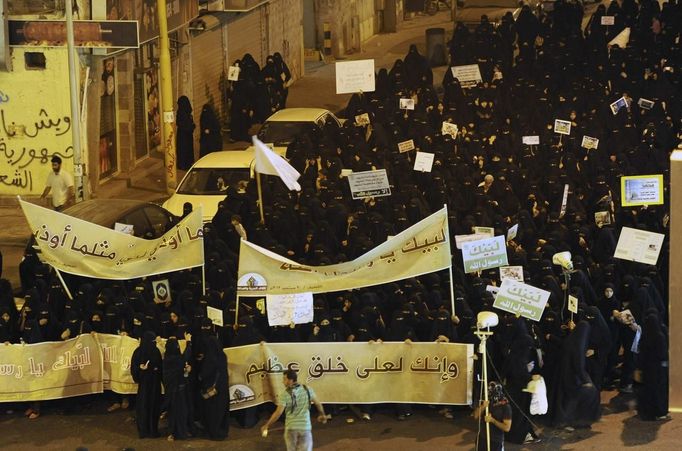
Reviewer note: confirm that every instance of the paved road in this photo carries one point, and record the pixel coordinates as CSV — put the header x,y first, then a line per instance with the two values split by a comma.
x,y
89,425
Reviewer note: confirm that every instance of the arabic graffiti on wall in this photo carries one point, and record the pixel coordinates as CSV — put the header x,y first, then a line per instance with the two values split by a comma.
x,y
35,125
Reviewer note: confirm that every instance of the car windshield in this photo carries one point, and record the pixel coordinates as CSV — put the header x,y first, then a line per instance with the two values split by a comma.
x,y
212,180
282,133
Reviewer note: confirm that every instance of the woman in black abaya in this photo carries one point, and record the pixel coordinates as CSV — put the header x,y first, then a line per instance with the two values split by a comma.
x,y
145,367
652,399
185,130
575,400
175,378
216,409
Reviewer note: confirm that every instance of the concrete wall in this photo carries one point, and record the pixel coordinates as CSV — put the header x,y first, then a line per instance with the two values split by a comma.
x,y
35,116
352,23
285,32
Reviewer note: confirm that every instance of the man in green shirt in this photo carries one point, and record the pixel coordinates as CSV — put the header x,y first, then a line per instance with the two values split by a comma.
x,y
296,400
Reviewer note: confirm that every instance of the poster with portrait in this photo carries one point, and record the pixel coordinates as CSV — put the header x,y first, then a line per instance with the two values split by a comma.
x,y
108,156
151,88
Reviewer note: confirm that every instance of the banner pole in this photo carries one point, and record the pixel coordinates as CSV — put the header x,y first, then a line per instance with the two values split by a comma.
x,y
236,313
61,279
260,198
203,279
452,281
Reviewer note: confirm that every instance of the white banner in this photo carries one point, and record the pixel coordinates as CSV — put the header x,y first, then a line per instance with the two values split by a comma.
x,y
423,162
79,247
369,184
420,249
484,254
468,75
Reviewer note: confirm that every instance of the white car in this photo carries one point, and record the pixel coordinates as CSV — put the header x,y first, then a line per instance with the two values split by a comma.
x,y
207,180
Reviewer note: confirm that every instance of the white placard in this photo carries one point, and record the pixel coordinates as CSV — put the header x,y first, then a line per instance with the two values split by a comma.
x,y
362,119
572,304
468,75
511,272
531,140
617,105
512,232
424,161
406,146
461,239
492,289
354,76
608,20
562,127
284,309
233,73
449,128
162,293
639,190
407,104
484,254
215,315
346,172
488,231
369,184
128,229
590,142
639,245
646,104
521,299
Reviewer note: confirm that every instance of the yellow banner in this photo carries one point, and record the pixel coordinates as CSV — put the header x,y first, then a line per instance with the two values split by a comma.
x,y
348,373
79,247
51,370
117,351
420,249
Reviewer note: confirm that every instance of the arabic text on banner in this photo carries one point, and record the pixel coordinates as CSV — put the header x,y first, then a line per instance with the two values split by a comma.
x,y
79,247
51,370
420,249
484,254
521,299
347,373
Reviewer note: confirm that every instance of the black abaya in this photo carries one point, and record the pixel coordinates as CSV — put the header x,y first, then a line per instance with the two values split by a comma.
x,y
175,384
216,409
148,401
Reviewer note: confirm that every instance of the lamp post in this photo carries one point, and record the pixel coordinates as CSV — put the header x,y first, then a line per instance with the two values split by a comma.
x,y
166,86
484,322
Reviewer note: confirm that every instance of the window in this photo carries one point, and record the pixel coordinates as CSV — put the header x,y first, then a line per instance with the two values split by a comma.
x,y
34,60
159,220
140,224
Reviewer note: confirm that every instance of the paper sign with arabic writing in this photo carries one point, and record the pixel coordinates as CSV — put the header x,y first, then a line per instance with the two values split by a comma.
x,y
484,254
284,309
521,299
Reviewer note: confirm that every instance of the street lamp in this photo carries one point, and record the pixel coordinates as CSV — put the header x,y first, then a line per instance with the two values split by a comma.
x,y
484,321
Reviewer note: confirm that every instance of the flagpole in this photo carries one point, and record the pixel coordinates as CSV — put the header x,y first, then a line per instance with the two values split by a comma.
x,y
61,279
452,281
203,279
236,313
260,198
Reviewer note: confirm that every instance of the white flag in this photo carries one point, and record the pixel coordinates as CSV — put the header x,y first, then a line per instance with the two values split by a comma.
x,y
268,162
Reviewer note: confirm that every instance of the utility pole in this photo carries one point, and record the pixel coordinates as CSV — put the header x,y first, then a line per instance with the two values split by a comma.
x,y
166,87
80,177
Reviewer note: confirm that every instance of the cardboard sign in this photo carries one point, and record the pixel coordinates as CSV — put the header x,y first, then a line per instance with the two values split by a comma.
x,y
521,299
346,172
531,140
617,105
355,76
128,229
589,142
492,289
233,73
449,128
489,231
562,127
406,146
369,184
511,272
362,119
215,315
424,161
511,233
468,75
646,104
407,104
572,304
484,254
639,245
162,293
639,190
461,239
602,218
608,20
284,309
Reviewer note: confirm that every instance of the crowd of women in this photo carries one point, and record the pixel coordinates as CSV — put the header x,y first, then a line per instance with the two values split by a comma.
x,y
534,70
